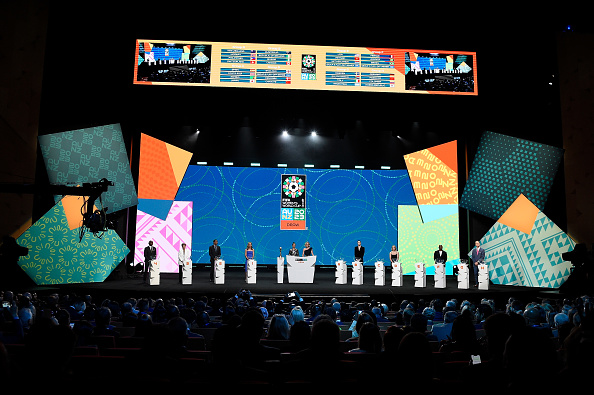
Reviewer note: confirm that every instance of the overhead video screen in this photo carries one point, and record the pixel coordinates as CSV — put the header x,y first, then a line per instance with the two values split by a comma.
x,y
274,207
250,65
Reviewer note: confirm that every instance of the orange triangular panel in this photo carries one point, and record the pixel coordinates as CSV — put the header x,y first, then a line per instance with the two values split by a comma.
x,y
156,179
520,215
447,153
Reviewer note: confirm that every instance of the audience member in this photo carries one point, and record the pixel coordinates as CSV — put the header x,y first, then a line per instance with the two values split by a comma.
x,y
442,331
278,328
369,340
103,325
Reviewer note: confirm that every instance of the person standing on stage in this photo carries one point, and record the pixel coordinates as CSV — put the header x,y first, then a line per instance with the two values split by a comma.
x,y
183,255
359,251
215,253
478,256
293,251
307,251
394,255
249,253
150,253
440,255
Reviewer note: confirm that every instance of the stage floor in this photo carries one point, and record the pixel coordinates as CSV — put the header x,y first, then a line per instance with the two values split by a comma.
x,y
120,285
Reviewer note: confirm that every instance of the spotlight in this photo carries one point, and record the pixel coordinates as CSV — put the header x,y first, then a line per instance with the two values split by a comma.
x,y
285,133
314,133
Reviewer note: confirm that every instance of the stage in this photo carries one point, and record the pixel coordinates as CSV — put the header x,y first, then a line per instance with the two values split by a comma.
x,y
123,285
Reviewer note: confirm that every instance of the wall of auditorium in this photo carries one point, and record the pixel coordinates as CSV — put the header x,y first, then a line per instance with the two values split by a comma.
x,y
22,39
576,67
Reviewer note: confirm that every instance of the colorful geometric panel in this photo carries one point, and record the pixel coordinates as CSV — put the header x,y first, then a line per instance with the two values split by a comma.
x,y
160,171
530,260
433,173
57,255
167,235
89,155
418,240
505,167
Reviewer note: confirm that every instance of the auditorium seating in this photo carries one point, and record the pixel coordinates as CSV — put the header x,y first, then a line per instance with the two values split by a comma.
x,y
125,353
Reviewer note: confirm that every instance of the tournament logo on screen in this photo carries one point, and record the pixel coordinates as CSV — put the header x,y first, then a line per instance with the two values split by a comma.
x,y
293,204
308,67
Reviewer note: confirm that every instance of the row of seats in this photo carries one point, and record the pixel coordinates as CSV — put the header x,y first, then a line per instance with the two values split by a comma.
x,y
109,355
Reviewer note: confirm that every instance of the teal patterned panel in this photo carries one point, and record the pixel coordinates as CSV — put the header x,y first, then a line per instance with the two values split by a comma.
x,y
505,167
57,255
88,155
530,260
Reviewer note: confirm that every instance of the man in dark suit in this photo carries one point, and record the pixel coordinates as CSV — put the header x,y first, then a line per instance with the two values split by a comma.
x,y
440,255
359,251
215,252
150,253
477,256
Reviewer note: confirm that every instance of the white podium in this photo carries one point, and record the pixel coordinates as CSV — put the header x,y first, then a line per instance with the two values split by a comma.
x,y
251,271
187,272
463,275
280,269
483,276
154,272
341,273
301,269
357,273
219,271
380,274
420,275
439,276
396,274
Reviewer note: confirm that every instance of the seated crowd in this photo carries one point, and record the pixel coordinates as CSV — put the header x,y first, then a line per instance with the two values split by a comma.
x,y
436,344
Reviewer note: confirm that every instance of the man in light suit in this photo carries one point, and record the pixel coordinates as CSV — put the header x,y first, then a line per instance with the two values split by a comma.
x,y
150,253
477,256
183,254
215,252
359,251
440,255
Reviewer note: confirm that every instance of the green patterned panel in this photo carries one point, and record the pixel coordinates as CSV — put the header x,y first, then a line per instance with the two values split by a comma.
x,y
418,240
89,155
57,255
505,167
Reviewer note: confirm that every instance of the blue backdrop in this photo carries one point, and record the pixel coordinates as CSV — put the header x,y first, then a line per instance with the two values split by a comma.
x,y
238,204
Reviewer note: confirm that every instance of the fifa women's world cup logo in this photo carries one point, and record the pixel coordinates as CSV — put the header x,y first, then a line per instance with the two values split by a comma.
x,y
293,186
293,204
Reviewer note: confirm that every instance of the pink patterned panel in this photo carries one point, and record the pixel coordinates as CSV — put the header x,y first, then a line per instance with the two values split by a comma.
x,y
166,235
